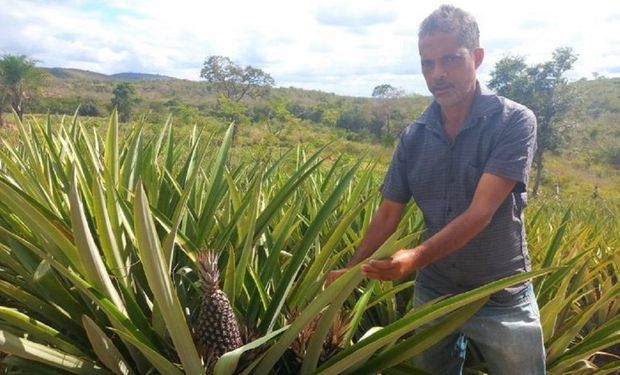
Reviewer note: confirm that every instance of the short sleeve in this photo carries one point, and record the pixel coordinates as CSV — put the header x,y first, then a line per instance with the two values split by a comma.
x,y
395,186
513,154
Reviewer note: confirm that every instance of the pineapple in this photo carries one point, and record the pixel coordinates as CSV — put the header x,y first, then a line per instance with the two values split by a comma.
x,y
333,342
217,330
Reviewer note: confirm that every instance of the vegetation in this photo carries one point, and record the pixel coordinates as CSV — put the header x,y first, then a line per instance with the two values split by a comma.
x,y
233,81
544,89
198,101
124,100
103,227
19,79
588,130
386,96
100,233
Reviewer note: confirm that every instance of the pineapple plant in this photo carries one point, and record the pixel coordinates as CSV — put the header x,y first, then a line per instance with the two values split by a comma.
x,y
332,344
69,242
217,330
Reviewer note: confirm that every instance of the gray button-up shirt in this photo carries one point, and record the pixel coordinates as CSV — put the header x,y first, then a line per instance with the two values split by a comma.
x,y
441,176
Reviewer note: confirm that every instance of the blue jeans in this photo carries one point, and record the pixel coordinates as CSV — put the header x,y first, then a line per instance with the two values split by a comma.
x,y
507,331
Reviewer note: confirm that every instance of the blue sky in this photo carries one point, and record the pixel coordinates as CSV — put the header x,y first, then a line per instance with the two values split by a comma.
x,y
342,46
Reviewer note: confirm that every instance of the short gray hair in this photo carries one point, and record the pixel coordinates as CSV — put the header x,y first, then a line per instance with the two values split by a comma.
x,y
449,19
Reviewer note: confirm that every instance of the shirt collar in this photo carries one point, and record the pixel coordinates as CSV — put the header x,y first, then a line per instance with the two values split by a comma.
x,y
485,103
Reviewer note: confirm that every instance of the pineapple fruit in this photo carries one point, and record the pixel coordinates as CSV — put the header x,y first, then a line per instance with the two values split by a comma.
x,y
216,331
333,342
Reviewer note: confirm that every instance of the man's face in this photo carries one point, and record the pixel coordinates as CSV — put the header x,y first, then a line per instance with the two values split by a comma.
x,y
449,68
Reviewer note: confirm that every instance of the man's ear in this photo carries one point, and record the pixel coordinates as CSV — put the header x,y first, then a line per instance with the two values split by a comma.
x,y
478,56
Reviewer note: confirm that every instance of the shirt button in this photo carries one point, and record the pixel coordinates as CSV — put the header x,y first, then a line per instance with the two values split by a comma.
x,y
451,180
449,209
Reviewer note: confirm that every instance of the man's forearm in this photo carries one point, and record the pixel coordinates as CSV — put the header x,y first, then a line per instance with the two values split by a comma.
x,y
375,236
451,238
491,192
383,224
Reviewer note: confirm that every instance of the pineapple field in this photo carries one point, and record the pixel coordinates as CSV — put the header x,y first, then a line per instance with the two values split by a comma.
x,y
131,250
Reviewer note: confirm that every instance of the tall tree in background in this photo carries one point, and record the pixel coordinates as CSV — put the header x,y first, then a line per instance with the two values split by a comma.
x,y
20,79
123,100
386,96
233,81
544,89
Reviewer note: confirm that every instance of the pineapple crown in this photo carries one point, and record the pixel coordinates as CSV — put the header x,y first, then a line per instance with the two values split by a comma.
x,y
207,268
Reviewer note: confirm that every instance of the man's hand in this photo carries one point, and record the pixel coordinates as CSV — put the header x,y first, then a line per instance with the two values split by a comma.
x,y
399,265
333,275
381,227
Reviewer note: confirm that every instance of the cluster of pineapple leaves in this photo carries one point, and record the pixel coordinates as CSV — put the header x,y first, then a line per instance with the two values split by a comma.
x,y
99,234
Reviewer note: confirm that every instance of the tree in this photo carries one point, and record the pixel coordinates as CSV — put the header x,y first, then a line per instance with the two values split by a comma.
x,y
123,100
386,96
544,89
233,81
358,117
278,115
19,81
231,110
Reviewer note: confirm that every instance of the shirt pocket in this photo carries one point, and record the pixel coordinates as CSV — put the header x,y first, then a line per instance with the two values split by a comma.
x,y
428,180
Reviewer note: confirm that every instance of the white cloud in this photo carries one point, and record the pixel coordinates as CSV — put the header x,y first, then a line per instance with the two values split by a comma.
x,y
342,46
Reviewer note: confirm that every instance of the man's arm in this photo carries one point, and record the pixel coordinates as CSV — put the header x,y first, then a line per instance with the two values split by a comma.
x,y
491,191
384,222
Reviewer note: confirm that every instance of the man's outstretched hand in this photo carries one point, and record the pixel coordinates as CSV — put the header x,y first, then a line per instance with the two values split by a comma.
x,y
399,265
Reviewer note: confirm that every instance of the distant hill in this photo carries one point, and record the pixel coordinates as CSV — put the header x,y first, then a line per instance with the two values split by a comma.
x,y
141,77
70,83
76,74
79,74
79,84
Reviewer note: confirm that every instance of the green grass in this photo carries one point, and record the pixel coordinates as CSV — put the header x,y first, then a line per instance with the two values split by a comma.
x,y
578,178
577,173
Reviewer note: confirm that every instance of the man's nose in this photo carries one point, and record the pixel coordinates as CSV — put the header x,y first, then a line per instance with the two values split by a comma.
x,y
439,72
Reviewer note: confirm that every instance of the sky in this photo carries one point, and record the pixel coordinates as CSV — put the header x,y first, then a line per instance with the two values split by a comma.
x,y
346,47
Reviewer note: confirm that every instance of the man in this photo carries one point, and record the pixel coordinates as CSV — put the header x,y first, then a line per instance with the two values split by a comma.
x,y
465,163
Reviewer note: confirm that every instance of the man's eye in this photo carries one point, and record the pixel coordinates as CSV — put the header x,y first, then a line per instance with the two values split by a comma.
x,y
451,59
